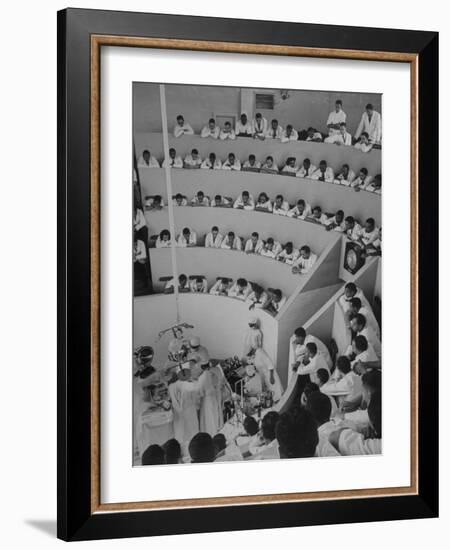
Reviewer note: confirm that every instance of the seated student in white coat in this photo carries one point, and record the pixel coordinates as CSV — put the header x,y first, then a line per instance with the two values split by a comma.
x,y
251,165
359,326
336,118
154,203
291,167
371,124
369,233
269,166
350,442
356,306
313,135
352,229
259,126
187,238
342,137
231,242
192,160
271,248
306,169
276,301
288,255
227,132
298,343
212,130
200,199
301,210
240,290
164,239
305,261
361,351
254,244
179,200
220,287
336,222
317,216
362,180
289,134
319,405
375,185
147,160
182,128
280,206
199,285
323,173
313,360
275,131
213,238
183,284
345,176
243,127
211,163
221,202
245,201
174,161
266,447
232,163
263,204
344,382
363,144
352,291
257,298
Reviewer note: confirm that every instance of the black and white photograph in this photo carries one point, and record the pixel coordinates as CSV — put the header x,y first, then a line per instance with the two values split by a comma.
x,y
257,260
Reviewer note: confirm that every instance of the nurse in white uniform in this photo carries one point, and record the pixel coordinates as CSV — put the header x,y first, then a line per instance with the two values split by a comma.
x,y
266,369
253,337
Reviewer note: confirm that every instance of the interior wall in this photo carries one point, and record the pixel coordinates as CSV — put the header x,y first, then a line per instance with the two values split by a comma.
x,y
366,279
327,273
339,332
199,103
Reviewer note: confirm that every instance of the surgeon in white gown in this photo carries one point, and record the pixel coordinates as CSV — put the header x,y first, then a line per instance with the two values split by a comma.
x,y
185,400
208,386
253,337
266,369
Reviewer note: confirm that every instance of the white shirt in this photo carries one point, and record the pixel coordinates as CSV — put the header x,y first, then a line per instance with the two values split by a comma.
x,y
259,127
295,212
139,251
278,305
139,220
197,202
258,302
276,249
371,188
203,288
190,161
171,284
163,244
227,135
211,242
339,227
255,166
184,202
350,384
241,294
290,169
293,136
305,264
365,356
207,132
236,245
228,166
336,118
253,247
368,238
316,135
223,202
152,163
267,168
243,128
215,289
278,132
150,203
324,447
364,147
339,138
288,258
372,339
181,241
345,180
186,129
353,234
173,163
317,362
353,443
281,210
302,171
345,303
300,349
328,175
373,128
239,203
265,205
207,165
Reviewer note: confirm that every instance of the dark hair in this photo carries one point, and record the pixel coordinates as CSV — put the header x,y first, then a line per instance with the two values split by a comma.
x,y
250,425
351,287
374,411
269,158
164,232
319,406
201,448
145,151
277,292
300,332
214,228
172,150
270,240
172,451
153,454
268,425
199,279
356,303
343,364
178,196
219,443
231,155
194,152
231,234
301,201
264,196
318,208
322,162
245,194
218,197
350,219
309,388
258,115
180,116
364,171
241,282
311,347
200,193
255,234
372,380
371,221
306,248
211,120
307,161
360,319
361,343
212,155
340,212
296,432
338,102
279,197
369,106
323,376
182,277
251,157
186,231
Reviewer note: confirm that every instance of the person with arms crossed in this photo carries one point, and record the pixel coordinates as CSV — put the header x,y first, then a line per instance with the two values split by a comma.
x,y
363,143
345,176
243,127
192,160
290,168
221,202
213,238
288,255
336,118
240,290
232,163
187,238
200,199
147,160
254,244
271,248
301,210
244,201
211,163
227,132
280,206
179,200
174,161
182,128
323,173
231,242
342,137
251,165
211,130
269,166
263,204
220,287
275,131
199,285
259,127
289,134
306,170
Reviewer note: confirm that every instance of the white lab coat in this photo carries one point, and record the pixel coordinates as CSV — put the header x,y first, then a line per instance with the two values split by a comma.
x,y
258,303
191,161
196,202
243,128
207,165
336,118
282,210
328,175
295,212
353,443
239,203
207,386
287,258
290,169
253,339
139,220
235,166
293,136
317,362
184,397
304,173
215,289
264,365
364,147
266,205
248,166
152,163
207,132
345,180
235,245
340,139
373,128
182,242
163,244
305,264
227,135
184,202
211,242
177,162
186,129
236,292
274,134
299,350
203,288
255,248
276,249
270,169
259,128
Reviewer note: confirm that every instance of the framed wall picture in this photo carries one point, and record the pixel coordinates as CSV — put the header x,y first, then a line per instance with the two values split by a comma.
x,y
247,274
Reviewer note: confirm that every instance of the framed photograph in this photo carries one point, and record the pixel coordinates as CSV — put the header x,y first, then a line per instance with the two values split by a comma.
x,y
247,255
